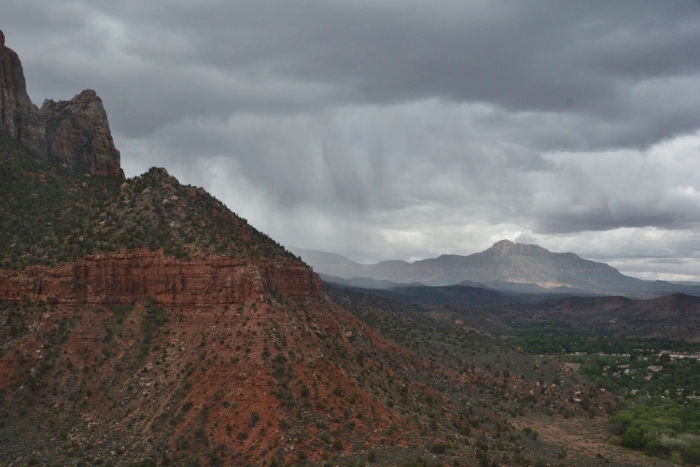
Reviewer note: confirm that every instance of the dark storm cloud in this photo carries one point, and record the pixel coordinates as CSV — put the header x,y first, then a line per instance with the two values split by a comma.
x,y
564,56
400,129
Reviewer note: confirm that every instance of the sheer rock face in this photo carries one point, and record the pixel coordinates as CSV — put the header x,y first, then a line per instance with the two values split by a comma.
x,y
78,135
73,133
122,278
18,116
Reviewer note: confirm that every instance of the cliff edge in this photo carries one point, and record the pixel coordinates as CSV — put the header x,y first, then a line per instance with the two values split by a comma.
x,y
73,133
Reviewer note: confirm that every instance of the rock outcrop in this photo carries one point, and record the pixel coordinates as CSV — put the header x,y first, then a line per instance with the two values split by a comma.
x,y
18,116
78,135
73,133
122,278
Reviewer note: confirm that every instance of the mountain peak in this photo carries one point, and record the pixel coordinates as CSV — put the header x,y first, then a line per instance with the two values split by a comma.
x,y
504,242
507,248
505,262
503,245
73,133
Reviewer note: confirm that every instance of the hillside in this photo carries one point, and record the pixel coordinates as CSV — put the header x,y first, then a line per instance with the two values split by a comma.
x,y
675,316
51,215
142,292
219,346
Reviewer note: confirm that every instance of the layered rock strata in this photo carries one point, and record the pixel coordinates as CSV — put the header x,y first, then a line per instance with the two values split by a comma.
x,y
122,278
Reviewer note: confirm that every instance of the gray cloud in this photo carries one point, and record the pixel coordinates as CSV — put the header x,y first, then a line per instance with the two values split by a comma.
x,y
402,129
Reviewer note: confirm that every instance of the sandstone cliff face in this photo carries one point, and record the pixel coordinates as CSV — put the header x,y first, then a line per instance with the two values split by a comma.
x,y
73,133
77,135
124,278
18,116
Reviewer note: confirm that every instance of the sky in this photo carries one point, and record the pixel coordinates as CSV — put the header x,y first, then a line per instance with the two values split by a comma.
x,y
407,129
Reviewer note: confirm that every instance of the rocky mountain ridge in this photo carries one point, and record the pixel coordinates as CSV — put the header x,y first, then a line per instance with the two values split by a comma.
x,y
505,266
74,133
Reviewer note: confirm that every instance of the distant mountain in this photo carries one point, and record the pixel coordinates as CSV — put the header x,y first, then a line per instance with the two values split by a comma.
x,y
322,260
364,283
530,288
506,266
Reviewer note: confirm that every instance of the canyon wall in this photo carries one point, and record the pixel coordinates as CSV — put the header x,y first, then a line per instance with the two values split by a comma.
x,y
122,278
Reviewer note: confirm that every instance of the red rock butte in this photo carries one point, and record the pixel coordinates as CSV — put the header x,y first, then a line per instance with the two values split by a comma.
x,y
74,133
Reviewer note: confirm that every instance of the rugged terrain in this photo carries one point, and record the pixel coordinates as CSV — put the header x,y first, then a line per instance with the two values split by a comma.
x,y
144,323
674,316
506,267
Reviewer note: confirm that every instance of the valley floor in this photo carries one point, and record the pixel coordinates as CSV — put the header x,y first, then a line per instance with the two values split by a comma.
x,y
584,441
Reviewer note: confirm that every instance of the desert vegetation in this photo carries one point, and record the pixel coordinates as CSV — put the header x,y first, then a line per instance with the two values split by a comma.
x,y
334,378
659,394
52,215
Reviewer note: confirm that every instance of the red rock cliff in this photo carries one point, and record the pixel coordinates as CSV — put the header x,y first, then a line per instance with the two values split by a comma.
x,y
18,116
74,133
78,135
121,278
